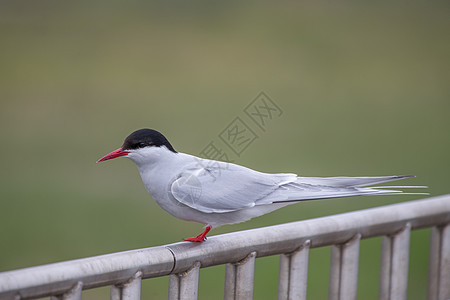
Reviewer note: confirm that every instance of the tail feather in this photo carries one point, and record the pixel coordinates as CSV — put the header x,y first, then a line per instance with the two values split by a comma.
x,y
401,187
311,188
349,181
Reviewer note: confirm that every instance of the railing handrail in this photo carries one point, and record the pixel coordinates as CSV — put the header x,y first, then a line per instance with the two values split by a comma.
x,y
112,269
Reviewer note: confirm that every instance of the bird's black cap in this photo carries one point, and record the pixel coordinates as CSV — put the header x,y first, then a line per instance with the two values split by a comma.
x,y
146,137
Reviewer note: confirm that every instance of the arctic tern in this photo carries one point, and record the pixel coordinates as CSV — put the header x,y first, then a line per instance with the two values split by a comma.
x,y
216,193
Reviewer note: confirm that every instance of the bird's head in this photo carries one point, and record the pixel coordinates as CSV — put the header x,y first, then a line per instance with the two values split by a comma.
x,y
141,146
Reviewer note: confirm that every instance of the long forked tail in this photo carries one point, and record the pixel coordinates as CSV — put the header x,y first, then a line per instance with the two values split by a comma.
x,y
310,188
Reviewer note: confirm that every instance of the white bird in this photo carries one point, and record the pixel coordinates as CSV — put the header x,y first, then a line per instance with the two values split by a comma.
x,y
216,193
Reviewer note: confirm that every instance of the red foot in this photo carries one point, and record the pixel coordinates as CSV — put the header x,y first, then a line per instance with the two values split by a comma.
x,y
199,238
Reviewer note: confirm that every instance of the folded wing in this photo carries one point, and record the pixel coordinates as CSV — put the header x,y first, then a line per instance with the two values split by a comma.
x,y
223,187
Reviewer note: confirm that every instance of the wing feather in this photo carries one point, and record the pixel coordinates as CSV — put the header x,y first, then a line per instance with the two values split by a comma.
x,y
218,187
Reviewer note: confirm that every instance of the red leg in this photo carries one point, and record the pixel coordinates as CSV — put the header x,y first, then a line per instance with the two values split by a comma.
x,y
201,237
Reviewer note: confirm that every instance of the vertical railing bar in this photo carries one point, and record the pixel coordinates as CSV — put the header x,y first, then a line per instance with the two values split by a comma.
x,y
385,267
433,263
130,290
184,286
344,269
189,283
444,264
293,274
73,294
239,279
298,275
283,277
230,282
245,277
349,269
335,272
174,287
395,264
115,293
400,263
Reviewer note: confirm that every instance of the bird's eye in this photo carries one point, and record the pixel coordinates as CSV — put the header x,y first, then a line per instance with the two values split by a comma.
x,y
141,145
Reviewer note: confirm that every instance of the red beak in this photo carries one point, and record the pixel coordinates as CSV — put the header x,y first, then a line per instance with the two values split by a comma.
x,y
116,153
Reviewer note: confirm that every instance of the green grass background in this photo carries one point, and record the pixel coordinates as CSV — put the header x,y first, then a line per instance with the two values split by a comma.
x,y
363,87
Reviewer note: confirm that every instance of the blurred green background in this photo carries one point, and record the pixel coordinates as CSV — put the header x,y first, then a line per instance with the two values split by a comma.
x,y
364,89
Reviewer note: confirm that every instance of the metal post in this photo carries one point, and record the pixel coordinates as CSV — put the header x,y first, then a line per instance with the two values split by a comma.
x,y
385,268
439,263
239,279
344,270
130,290
72,294
293,273
394,265
444,274
433,263
184,286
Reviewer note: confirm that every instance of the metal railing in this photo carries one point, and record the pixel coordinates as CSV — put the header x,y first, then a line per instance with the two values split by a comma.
x,y
182,261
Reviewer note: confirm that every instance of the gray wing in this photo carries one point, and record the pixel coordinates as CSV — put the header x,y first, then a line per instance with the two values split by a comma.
x,y
218,187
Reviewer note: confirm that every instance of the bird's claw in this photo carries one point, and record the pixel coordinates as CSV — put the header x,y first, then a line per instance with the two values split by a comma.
x,y
201,237
198,239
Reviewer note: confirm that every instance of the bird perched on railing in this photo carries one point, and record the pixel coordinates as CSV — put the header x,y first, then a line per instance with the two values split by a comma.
x,y
216,193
